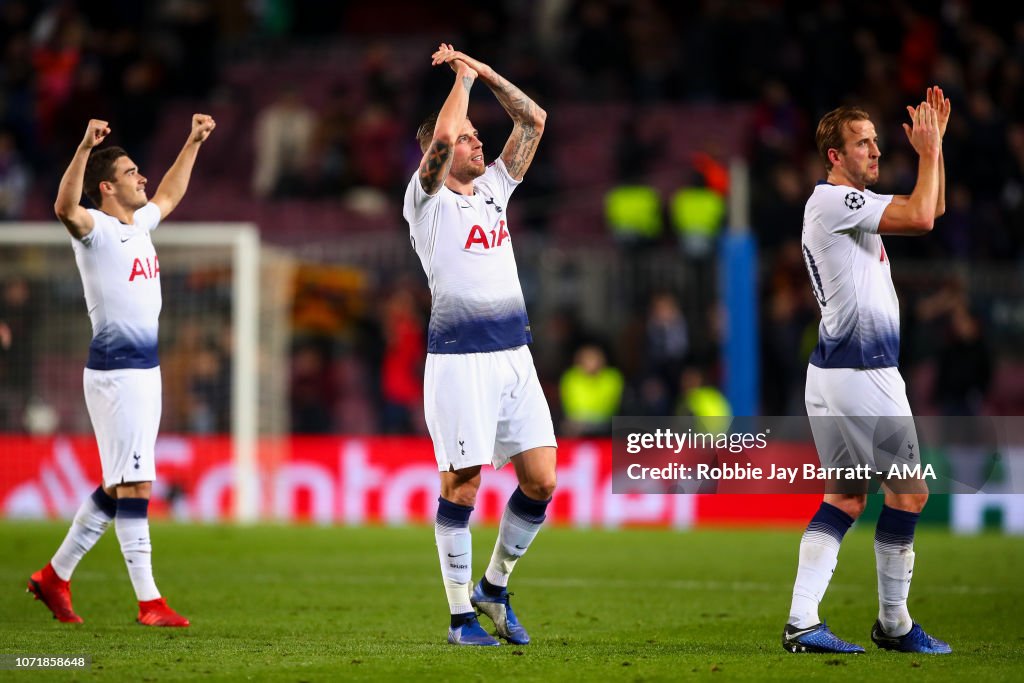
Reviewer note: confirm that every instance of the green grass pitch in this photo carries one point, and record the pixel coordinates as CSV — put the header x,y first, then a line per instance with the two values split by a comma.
x,y
322,604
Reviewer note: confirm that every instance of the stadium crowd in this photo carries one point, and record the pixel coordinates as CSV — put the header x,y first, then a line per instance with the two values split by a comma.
x,y
319,101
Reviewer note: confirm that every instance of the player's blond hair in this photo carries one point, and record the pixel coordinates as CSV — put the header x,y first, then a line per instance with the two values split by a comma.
x,y
425,133
831,127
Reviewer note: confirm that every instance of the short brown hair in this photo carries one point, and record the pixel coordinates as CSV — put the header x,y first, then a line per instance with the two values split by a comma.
x,y
98,169
831,127
425,133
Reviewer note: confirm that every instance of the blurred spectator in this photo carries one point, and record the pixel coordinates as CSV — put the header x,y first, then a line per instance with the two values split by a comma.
x,y
702,400
330,148
58,36
598,50
17,351
402,367
14,179
633,213
209,392
964,365
778,209
591,393
312,390
377,147
197,381
667,338
284,131
698,213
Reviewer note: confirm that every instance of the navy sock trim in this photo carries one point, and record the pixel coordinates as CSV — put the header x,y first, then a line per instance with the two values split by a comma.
x,y
896,525
133,508
460,619
452,514
528,508
489,588
105,503
830,520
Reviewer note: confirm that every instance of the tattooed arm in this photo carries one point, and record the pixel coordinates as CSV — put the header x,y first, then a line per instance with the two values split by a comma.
x,y
528,117
437,160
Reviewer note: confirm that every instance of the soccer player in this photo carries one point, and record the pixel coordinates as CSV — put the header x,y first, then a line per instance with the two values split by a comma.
x,y
852,378
121,277
482,400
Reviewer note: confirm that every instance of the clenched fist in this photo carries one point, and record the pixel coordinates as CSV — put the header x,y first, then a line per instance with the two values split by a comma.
x,y
202,126
95,133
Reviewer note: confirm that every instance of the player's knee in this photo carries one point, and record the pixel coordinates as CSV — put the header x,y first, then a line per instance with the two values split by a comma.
x,y
140,489
910,502
851,505
541,488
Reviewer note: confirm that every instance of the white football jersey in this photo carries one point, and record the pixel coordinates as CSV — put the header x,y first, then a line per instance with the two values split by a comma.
x,y
121,278
849,271
464,245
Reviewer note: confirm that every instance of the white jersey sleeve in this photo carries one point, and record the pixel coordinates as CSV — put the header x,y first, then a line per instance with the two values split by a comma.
x,y
841,209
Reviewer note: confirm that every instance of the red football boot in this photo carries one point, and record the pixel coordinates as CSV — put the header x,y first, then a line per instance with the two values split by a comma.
x,y
55,593
157,613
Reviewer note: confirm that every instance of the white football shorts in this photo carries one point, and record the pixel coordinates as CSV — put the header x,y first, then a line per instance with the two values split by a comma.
x,y
124,406
861,417
484,408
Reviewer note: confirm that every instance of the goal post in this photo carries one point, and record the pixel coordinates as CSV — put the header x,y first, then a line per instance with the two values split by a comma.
x,y
212,277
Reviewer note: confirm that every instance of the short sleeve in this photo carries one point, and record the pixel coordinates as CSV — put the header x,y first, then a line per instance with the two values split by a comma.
x,y
148,217
419,205
498,181
845,208
98,233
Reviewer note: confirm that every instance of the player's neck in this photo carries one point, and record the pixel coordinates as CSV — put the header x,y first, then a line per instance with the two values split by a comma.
x,y
121,213
837,177
456,185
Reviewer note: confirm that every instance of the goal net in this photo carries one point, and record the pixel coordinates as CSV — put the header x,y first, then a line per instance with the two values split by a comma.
x,y
223,354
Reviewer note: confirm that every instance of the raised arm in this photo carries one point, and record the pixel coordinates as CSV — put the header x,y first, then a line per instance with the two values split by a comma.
x,y
940,103
437,160
68,206
916,215
175,182
528,118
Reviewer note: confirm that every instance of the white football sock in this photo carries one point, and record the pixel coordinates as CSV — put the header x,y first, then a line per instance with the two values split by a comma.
x,y
895,570
455,552
818,560
88,526
819,555
133,533
515,534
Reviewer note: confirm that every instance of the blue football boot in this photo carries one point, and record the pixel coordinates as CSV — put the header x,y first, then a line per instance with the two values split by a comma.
x,y
916,640
818,639
470,633
500,611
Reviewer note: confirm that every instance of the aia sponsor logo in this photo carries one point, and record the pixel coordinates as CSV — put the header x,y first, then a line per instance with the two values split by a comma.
x,y
489,239
144,268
